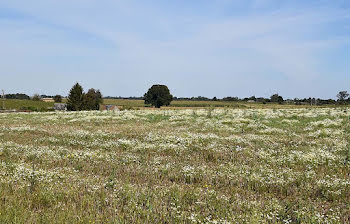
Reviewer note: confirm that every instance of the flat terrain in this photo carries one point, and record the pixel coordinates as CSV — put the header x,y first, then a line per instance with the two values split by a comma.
x,y
134,104
25,104
203,104
176,166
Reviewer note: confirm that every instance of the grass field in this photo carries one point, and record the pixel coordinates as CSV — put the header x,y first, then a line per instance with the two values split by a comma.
x,y
176,166
25,104
185,103
189,104
129,104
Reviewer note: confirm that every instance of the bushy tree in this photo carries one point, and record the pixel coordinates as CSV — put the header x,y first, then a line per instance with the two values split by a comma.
x,y
277,98
75,98
252,98
36,97
92,100
57,99
158,95
342,96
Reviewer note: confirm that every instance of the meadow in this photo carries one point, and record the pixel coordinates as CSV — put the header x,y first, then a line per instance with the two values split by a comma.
x,y
213,165
179,103
135,104
122,103
11,104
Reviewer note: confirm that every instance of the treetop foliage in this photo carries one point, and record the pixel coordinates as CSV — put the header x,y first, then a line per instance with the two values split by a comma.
x,y
78,100
276,98
75,98
18,96
158,95
343,95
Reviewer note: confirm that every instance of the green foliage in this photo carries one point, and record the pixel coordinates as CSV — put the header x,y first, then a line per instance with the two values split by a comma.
x,y
36,97
57,99
98,99
128,107
34,109
75,98
78,100
27,104
277,98
92,100
342,96
157,118
158,95
18,96
89,100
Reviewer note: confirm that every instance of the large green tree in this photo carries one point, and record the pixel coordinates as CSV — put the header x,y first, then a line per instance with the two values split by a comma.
x,y
92,100
75,98
158,95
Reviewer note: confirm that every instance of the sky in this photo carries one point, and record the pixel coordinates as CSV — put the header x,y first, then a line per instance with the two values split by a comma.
x,y
295,48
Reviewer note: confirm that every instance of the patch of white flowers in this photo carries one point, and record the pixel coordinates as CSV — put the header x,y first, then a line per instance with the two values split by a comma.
x,y
262,150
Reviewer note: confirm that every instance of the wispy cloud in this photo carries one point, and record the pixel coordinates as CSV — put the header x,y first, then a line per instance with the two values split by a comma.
x,y
203,48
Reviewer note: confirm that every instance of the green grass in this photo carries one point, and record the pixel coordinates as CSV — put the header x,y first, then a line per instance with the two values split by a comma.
x,y
19,104
188,103
127,104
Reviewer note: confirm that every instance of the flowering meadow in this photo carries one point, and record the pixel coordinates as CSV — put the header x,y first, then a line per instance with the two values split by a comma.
x,y
176,166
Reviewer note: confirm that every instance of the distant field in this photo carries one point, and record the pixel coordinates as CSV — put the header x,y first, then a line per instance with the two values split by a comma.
x,y
21,104
39,105
188,103
140,103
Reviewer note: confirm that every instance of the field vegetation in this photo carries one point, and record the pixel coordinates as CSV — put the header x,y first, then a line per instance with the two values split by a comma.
x,y
206,104
176,166
29,105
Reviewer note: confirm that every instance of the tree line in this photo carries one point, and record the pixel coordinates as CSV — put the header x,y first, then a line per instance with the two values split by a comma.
x,y
159,95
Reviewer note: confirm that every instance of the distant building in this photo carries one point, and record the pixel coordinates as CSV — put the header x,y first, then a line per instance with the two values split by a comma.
x,y
60,106
48,100
251,101
109,107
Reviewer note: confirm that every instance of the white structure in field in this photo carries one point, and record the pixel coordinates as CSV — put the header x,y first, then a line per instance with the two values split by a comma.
x,y
60,106
109,107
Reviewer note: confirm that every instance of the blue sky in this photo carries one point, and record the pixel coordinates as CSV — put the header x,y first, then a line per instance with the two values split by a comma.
x,y
221,48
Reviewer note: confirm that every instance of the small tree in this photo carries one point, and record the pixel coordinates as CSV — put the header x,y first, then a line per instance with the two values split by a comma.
x,y
158,95
253,98
75,98
36,97
277,98
342,96
57,99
